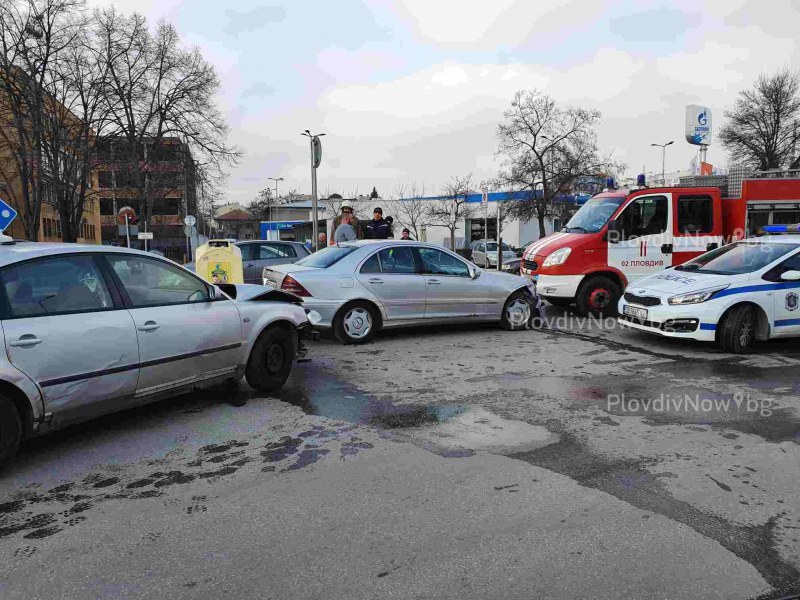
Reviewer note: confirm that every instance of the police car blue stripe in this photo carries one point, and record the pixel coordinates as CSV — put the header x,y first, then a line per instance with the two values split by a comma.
x,y
787,285
787,322
708,326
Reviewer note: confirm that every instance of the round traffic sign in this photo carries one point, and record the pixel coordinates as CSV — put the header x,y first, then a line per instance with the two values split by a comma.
x,y
189,220
190,231
126,210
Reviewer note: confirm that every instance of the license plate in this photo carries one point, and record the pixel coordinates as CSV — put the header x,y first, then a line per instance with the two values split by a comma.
x,y
270,283
632,311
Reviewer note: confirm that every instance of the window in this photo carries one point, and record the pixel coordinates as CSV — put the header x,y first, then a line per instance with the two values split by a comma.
x,y
51,228
644,216
438,262
104,179
695,214
276,251
372,265
736,259
167,206
479,248
790,264
55,286
397,261
107,207
326,257
151,282
249,251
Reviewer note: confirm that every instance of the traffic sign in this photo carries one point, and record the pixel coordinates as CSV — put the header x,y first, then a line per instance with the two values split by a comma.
x,y
190,231
485,198
145,235
189,220
316,151
7,214
126,210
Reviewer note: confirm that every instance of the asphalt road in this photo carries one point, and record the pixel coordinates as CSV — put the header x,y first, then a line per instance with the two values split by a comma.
x,y
465,462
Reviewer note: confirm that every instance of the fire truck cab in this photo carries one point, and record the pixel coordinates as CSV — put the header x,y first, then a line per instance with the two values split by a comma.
x,y
619,236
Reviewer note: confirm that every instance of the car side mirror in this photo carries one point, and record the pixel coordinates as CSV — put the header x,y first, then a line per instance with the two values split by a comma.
x,y
791,276
474,272
612,233
214,293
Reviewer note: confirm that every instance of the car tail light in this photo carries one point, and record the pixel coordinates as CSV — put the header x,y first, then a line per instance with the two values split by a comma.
x,y
290,284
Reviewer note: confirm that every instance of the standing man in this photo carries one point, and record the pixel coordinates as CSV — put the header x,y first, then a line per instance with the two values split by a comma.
x,y
345,231
345,208
378,228
323,239
406,235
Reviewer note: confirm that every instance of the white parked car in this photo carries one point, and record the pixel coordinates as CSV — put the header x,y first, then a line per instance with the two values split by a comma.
x,y
733,295
90,330
484,254
361,287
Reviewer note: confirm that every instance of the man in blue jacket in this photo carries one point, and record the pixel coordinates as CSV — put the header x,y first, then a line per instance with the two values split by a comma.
x,y
379,228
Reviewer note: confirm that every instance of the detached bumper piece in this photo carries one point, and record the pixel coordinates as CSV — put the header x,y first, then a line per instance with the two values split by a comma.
x,y
305,333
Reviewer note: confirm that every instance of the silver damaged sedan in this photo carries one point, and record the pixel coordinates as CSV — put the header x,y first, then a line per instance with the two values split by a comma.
x,y
360,287
90,330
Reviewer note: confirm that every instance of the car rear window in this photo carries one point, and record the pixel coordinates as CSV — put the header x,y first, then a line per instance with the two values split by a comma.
x,y
326,257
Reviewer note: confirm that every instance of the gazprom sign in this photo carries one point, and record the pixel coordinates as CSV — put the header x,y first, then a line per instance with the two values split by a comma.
x,y
698,125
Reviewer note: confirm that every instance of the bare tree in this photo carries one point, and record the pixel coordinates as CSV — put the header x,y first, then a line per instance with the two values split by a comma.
x,y
762,129
33,35
455,208
544,145
158,91
410,209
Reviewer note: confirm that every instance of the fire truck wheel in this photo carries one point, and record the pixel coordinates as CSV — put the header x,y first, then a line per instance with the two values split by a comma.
x,y
598,296
737,329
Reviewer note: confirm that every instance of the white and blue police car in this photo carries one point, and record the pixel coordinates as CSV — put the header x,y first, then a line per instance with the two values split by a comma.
x,y
733,295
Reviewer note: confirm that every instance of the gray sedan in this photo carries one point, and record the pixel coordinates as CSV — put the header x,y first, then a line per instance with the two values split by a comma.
x,y
90,330
360,287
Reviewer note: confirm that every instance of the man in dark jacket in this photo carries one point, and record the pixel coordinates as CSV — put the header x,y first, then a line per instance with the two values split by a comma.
x,y
379,228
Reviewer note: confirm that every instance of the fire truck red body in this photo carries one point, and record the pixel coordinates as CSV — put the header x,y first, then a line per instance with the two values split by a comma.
x,y
619,236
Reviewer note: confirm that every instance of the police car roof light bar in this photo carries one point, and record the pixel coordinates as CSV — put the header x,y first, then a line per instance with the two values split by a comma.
x,y
781,228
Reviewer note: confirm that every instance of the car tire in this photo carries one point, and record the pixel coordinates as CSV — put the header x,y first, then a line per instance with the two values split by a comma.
x,y
356,323
10,430
271,359
564,302
737,330
598,296
518,313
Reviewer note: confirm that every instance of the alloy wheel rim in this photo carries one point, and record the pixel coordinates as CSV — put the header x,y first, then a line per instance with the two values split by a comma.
x,y
746,331
600,298
518,312
357,323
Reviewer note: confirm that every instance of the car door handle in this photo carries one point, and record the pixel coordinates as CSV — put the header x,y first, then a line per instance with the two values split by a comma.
x,y
149,326
434,282
375,280
666,248
26,341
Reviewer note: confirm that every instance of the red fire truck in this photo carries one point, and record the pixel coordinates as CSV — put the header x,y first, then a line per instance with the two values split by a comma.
x,y
621,235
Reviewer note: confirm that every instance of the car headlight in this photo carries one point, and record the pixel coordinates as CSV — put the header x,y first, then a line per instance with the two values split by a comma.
x,y
696,297
559,257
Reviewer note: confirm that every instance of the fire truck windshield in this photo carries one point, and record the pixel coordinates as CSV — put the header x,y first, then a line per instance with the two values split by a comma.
x,y
592,216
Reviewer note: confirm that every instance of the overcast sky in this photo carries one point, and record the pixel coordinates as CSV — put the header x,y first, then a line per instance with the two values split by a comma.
x,y
412,90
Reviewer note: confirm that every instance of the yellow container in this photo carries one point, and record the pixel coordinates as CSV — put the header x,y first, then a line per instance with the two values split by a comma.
x,y
219,261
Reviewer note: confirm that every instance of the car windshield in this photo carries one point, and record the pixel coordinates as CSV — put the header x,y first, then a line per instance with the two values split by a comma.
x,y
593,215
736,259
326,257
492,247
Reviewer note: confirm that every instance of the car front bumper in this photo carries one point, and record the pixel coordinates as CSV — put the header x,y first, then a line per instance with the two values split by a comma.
x,y
691,321
557,286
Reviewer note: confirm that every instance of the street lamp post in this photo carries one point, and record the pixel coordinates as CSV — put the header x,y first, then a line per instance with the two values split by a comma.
x,y
663,157
316,157
269,206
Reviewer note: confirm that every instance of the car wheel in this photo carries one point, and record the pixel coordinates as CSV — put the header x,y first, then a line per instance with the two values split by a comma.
x,y
356,323
598,296
559,301
517,312
738,329
10,430
270,359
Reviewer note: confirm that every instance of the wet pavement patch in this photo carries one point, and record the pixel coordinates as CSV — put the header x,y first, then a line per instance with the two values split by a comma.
x,y
630,482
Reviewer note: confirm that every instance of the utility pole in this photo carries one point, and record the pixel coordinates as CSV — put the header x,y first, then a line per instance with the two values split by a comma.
x,y
663,158
316,158
269,205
